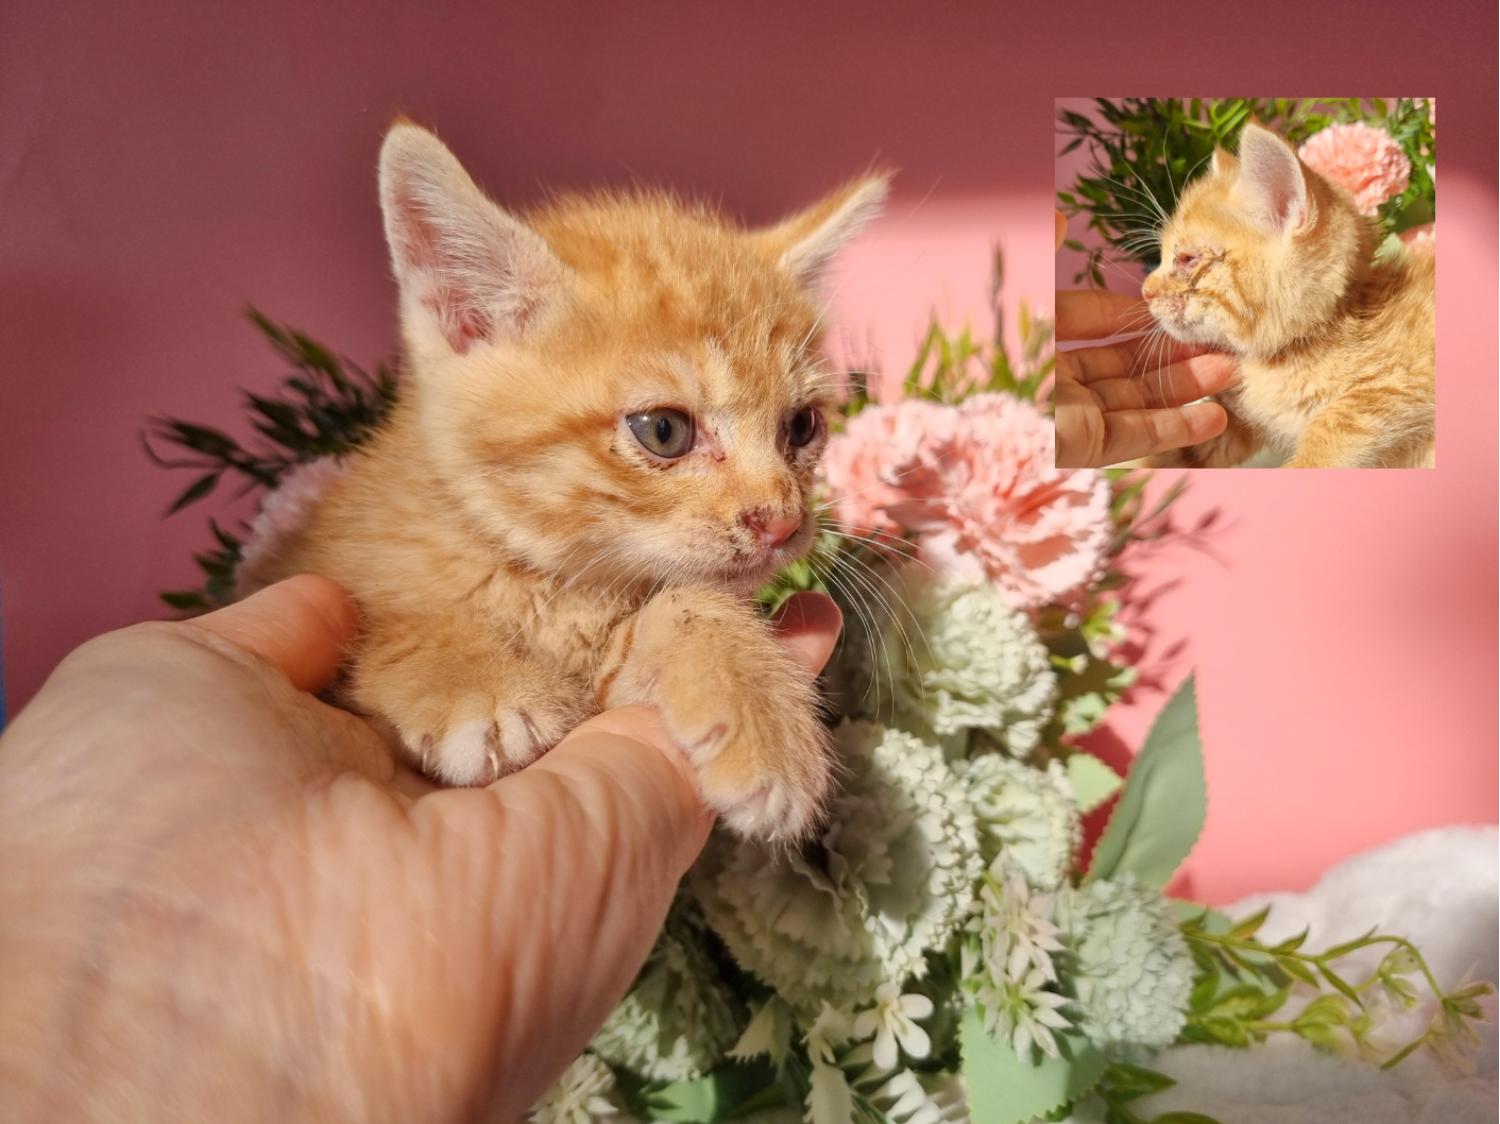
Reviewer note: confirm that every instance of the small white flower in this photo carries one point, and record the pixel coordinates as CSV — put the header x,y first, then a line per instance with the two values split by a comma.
x,y
891,1021
1024,1011
580,1095
932,1098
1015,926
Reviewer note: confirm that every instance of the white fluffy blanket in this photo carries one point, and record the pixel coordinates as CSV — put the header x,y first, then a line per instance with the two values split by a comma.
x,y
1438,888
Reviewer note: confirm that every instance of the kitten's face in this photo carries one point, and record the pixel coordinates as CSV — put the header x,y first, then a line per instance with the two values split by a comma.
x,y
1258,253
622,390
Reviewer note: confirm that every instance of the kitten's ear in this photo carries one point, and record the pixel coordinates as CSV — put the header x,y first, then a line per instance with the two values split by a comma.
x,y
1270,180
1223,162
469,273
806,242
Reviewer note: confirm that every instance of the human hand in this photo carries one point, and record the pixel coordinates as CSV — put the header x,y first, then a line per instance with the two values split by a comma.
x,y
221,898
1134,398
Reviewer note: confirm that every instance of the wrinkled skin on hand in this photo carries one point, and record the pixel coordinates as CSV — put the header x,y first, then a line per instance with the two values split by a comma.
x,y
220,898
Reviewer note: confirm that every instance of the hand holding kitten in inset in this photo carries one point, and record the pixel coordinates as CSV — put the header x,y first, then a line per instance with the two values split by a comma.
x,y
216,890
605,443
1130,399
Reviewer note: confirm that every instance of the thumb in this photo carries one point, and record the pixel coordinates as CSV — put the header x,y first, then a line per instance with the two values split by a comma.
x,y
572,864
299,626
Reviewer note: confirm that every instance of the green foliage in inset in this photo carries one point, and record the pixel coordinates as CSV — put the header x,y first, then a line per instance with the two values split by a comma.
x,y
1143,151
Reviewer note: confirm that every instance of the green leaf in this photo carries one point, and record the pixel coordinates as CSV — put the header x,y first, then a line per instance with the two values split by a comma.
x,y
1005,1088
1093,781
195,491
185,600
1161,811
710,1098
1244,929
1225,1031
1130,1082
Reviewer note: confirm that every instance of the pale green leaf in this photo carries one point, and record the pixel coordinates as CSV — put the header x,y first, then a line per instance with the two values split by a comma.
x,y
1093,781
1005,1088
1162,808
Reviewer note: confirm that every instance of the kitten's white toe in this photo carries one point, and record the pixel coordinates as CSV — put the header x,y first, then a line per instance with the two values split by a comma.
x,y
775,811
468,755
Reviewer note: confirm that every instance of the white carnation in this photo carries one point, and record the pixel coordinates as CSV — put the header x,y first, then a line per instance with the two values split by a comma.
x,y
892,877
1131,969
678,1020
952,657
1027,814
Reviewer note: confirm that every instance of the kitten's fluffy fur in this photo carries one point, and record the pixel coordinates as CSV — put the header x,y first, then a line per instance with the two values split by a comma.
x,y
1266,259
520,559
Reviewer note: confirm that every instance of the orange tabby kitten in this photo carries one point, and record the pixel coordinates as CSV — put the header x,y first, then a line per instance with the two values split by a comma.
x,y
605,443
1266,259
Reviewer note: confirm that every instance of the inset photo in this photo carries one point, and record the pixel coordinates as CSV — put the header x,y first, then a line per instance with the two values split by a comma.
x,y
1246,282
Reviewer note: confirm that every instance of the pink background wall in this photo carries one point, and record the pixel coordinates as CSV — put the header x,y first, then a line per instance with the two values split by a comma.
x,y
161,164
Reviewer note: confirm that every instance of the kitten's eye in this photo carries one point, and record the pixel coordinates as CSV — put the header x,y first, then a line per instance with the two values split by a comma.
x,y
803,427
1185,259
665,432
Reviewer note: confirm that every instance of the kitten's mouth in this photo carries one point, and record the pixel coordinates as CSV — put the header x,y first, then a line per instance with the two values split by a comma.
x,y
753,571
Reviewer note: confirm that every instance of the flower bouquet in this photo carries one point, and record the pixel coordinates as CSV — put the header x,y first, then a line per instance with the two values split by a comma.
x,y
941,951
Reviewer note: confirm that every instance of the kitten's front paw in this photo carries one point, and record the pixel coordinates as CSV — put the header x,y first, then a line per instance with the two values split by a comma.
x,y
476,745
762,762
735,699
478,737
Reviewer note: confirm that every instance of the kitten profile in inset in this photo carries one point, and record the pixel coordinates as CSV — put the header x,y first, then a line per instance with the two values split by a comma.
x,y
1267,260
605,442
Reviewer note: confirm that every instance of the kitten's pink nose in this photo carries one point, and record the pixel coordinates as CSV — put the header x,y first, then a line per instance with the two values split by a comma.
x,y
771,530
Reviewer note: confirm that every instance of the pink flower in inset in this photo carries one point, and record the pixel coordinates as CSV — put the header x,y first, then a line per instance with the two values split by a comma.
x,y
1420,236
286,509
1363,160
977,487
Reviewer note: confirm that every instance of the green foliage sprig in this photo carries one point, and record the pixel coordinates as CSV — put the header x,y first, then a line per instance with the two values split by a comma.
x,y
949,366
1244,983
326,406
1144,150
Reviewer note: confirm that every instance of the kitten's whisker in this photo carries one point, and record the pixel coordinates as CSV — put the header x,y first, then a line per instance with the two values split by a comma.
x,y
894,606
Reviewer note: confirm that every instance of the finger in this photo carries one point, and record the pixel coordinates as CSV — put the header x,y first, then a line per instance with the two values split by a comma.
x,y
809,624
300,626
1141,433
565,872
1059,229
1096,314
1169,386
1133,357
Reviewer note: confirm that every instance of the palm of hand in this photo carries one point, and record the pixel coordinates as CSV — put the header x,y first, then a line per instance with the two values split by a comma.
x,y
295,913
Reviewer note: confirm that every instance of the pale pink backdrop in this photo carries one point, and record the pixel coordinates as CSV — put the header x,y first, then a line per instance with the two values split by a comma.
x,y
162,164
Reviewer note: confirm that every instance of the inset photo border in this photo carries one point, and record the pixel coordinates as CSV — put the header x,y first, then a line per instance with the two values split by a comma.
x,y
1246,282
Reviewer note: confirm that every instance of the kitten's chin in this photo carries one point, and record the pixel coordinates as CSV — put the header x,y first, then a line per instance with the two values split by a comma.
x,y
1189,333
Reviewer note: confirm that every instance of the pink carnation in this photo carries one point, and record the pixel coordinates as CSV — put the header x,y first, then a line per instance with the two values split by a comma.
x,y
977,487
1419,236
1363,160
287,508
